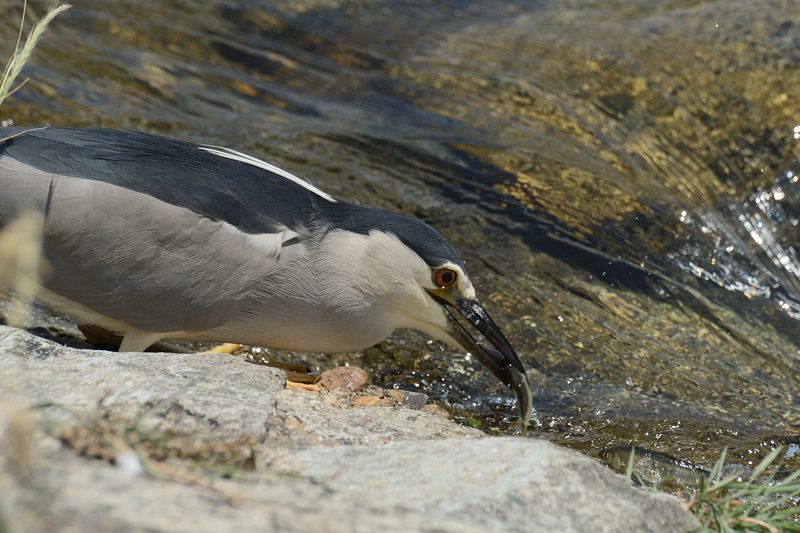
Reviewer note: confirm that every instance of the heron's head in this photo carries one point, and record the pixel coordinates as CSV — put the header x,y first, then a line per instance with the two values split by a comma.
x,y
422,284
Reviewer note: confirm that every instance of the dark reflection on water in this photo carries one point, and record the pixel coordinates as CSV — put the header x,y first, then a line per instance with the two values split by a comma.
x,y
620,177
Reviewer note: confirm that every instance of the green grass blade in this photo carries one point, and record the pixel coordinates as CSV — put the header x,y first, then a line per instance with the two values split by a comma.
x,y
765,463
629,468
758,504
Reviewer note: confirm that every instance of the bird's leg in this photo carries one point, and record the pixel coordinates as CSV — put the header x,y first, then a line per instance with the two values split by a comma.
x,y
138,341
301,379
298,375
132,341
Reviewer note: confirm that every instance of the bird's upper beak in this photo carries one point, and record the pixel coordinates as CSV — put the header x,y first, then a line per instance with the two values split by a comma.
x,y
502,361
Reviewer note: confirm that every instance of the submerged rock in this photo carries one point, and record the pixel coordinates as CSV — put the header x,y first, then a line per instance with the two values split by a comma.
x,y
654,468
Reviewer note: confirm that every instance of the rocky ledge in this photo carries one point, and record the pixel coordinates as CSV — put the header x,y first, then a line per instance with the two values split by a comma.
x,y
102,441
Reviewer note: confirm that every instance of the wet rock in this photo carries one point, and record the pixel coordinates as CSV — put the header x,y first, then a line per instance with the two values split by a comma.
x,y
437,410
655,469
410,399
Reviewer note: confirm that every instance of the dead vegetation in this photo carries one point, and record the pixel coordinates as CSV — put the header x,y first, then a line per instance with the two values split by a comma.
x,y
112,438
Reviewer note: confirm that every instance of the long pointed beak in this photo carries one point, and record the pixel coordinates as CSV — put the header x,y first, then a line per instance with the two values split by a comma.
x,y
502,361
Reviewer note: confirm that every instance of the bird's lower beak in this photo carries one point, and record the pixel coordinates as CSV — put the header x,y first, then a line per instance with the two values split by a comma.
x,y
502,361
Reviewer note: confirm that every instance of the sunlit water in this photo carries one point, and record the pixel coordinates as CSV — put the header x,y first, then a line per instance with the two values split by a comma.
x,y
620,177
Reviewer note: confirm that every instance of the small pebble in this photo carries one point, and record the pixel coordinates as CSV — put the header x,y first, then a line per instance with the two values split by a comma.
x,y
349,378
412,400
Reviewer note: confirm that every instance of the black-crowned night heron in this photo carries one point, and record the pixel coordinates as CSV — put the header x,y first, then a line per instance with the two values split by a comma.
x,y
156,238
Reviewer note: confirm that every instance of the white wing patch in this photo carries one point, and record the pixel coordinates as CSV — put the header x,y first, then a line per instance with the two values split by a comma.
x,y
250,160
21,133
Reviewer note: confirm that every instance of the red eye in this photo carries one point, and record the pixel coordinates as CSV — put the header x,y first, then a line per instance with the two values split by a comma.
x,y
444,277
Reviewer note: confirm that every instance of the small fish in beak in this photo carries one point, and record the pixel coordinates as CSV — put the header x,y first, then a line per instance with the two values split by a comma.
x,y
503,361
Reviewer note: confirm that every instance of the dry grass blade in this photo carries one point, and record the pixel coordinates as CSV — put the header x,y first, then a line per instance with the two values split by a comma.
x,y
20,262
20,241
23,54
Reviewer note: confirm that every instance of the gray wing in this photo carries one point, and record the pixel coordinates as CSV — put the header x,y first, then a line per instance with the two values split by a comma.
x,y
220,184
237,191
135,257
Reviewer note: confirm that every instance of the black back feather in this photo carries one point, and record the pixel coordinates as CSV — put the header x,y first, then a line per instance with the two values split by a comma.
x,y
180,173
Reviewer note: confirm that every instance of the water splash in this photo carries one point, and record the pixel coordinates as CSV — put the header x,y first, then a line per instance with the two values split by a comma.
x,y
749,247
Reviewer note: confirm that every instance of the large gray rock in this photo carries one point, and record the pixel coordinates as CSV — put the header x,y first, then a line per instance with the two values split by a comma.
x,y
497,484
322,465
64,493
190,392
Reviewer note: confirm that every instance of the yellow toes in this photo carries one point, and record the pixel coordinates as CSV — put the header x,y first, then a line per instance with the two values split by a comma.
x,y
228,347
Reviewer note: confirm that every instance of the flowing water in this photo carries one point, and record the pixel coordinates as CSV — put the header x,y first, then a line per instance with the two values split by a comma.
x,y
620,176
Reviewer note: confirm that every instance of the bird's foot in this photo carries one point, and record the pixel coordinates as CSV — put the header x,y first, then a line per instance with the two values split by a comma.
x,y
311,387
226,347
